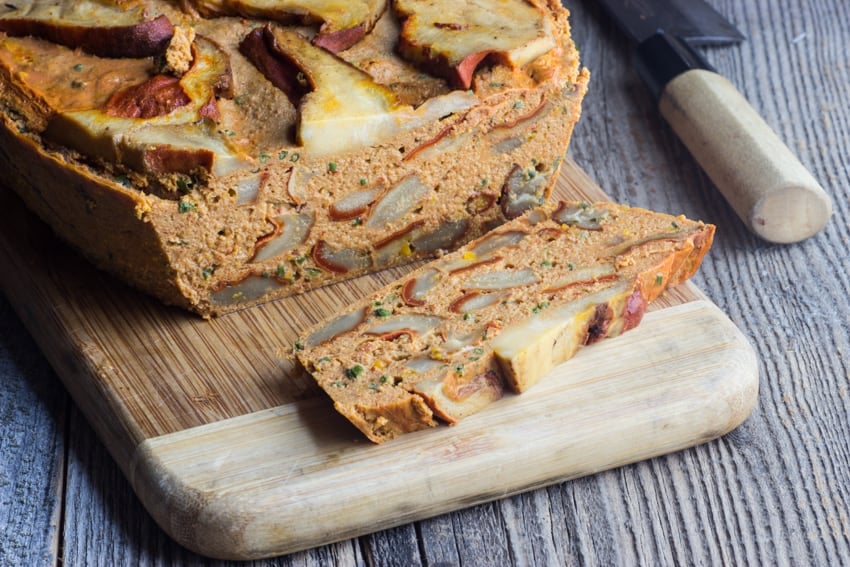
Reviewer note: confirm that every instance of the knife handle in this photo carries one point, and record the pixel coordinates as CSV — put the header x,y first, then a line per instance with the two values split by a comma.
x,y
763,181
772,192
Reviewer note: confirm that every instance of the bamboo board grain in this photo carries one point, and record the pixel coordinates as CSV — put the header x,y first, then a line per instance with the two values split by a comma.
x,y
237,454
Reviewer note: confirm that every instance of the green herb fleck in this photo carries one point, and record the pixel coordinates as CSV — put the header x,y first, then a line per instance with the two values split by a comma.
x,y
518,104
373,386
363,181
357,222
546,264
382,312
477,353
313,272
468,316
659,279
240,100
383,379
264,157
674,224
337,384
280,271
540,307
300,259
571,266
281,155
185,184
294,157
332,166
185,206
123,180
458,368
208,272
297,346
78,67
353,372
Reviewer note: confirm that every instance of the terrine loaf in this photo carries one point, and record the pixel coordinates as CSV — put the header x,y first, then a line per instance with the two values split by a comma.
x,y
220,154
501,312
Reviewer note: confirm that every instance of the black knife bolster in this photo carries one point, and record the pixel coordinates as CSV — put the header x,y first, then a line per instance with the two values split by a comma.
x,y
662,57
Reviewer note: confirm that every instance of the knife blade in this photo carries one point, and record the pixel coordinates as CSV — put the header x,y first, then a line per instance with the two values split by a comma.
x,y
764,182
692,21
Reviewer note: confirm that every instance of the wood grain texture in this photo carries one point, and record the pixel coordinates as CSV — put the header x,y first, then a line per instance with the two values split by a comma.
x,y
32,446
776,490
773,492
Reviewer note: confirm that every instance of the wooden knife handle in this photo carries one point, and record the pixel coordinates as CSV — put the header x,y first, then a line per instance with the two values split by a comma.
x,y
772,192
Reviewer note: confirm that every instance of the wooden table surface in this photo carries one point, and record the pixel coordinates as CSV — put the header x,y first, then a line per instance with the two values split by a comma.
x,y
776,491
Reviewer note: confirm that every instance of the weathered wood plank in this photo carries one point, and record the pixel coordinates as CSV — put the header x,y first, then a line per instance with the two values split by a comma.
x,y
394,547
33,411
775,491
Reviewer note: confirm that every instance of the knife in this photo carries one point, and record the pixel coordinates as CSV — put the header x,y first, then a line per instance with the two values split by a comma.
x,y
764,182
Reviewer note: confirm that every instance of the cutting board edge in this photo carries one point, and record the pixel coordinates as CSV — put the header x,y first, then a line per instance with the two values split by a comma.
x,y
234,524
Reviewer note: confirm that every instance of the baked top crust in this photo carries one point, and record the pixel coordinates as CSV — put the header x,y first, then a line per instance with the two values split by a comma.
x,y
214,69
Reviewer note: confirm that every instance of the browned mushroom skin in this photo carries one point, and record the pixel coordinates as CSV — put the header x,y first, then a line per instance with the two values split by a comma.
x,y
144,39
157,96
283,73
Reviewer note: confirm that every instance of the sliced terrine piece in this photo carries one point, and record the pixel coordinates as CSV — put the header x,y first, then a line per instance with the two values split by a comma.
x,y
501,312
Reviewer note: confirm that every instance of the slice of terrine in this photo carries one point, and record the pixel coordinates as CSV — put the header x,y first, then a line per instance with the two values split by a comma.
x,y
501,312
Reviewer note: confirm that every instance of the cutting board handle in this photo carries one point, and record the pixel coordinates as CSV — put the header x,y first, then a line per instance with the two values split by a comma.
x,y
772,192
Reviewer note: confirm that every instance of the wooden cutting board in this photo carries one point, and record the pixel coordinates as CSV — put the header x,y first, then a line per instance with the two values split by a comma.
x,y
236,453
